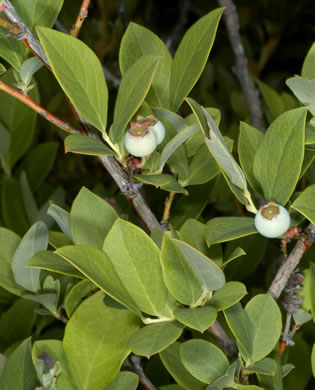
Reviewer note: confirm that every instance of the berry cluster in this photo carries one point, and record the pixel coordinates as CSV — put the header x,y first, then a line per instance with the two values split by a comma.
x,y
144,135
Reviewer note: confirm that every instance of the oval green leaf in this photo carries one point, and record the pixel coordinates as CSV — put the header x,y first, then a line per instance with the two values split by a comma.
x,y
203,360
200,318
305,203
80,74
153,338
81,144
278,161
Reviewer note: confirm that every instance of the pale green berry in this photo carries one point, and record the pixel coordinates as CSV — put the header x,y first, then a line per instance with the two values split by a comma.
x,y
154,125
272,220
140,141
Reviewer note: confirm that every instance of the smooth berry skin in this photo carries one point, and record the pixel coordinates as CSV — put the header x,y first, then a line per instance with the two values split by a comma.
x,y
159,131
140,146
275,226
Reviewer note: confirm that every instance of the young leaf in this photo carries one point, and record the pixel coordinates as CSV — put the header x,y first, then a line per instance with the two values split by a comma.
x,y
172,361
224,229
153,338
136,259
132,91
81,144
191,56
96,345
91,218
75,296
203,360
49,350
265,316
79,73
305,203
137,42
265,366
162,180
35,240
279,159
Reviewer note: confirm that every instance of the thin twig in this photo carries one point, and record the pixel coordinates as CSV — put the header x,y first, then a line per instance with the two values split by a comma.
x,y
241,67
40,110
286,269
285,333
167,207
109,163
83,13
134,364
224,341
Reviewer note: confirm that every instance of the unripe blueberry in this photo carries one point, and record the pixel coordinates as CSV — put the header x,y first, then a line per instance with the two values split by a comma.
x,y
139,140
154,125
272,220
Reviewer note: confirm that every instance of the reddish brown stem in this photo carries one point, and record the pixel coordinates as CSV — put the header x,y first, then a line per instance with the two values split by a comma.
x,y
40,110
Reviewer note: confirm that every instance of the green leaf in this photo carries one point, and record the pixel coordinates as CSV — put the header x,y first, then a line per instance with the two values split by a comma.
x,y
309,64
153,338
197,111
28,200
189,275
35,240
248,144
58,239
56,197
53,349
193,233
96,345
49,261
138,42
243,330
178,140
5,141
97,267
227,295
132,91
224,229
265,317
162,180
279,159
313,360
28,69
79,73
38,162
39,12
190,206
19,372
124,380
305,203
200,318
81,144
13,211
172,361
265,366
11,50
136,259
177,122
91,218
203,167
203,360
9,242
218,149
17,323
272,99
191,56
75,296
238,252
304,90
13,115
62,218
